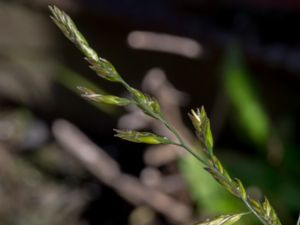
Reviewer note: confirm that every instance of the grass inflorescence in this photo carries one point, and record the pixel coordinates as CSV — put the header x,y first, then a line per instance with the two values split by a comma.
x,y
150,106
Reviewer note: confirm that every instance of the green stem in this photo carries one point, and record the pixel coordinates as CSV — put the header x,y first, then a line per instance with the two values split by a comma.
x,y
249,206
183,144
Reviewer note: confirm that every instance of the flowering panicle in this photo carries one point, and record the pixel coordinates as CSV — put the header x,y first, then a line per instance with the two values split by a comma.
x,y
150,106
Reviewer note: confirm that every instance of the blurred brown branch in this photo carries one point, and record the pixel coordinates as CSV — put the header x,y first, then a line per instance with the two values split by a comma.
x,y
107,170
26,195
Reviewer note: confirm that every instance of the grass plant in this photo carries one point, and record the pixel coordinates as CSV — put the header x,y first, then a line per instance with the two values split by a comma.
x,y
262,209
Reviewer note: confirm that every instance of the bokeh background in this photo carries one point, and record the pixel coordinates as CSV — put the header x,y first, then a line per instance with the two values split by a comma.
x,y
59,161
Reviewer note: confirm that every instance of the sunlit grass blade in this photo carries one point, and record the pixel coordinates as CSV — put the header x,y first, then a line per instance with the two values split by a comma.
x,y
224,220
142,137
107,99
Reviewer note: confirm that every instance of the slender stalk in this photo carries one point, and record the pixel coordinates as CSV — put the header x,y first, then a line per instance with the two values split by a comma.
x,y
183,144
254,212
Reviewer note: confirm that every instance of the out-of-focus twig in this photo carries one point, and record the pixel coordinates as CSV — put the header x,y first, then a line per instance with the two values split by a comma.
x,y
99,163
27,195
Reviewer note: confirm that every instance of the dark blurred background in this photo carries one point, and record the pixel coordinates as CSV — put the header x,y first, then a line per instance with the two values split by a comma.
x,y
59,161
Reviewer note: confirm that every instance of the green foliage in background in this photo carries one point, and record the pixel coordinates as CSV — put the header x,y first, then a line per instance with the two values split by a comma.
x,y
245,100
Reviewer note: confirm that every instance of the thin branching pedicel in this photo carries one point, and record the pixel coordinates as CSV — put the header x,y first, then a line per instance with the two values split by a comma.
x,y
150,106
